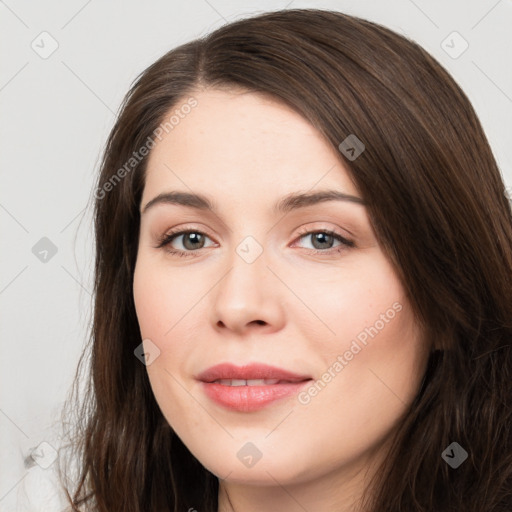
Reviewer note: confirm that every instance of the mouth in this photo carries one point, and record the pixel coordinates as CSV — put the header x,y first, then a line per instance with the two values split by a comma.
x,y
250,382
251,387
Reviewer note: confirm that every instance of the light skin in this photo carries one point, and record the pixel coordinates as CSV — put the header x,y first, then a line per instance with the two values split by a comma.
x,y
289,307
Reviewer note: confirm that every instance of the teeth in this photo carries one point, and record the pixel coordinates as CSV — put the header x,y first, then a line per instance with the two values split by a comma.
x,y
260,382
250,382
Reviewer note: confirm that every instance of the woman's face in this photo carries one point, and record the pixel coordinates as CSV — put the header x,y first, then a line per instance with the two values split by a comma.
x,y
246,286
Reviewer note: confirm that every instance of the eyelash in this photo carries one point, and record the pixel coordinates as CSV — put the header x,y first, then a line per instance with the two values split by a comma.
x,y
165,240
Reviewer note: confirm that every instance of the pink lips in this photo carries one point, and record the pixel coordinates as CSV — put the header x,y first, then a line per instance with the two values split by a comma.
x,y
247,398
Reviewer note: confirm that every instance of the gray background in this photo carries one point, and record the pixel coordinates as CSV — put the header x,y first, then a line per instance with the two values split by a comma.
x,y
56,112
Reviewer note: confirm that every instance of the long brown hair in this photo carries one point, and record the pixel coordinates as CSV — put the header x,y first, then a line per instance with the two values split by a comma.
x,y
438,205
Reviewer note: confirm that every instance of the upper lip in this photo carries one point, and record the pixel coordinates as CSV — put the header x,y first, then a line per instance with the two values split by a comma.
x,y
249,372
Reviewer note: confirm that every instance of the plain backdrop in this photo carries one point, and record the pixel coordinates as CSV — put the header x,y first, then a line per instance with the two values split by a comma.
x,y
65,68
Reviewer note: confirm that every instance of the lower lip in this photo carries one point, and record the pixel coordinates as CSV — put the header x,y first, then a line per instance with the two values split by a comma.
x,y
250,398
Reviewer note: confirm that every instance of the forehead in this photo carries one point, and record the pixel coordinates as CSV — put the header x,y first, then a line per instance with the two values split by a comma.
x,y
246,141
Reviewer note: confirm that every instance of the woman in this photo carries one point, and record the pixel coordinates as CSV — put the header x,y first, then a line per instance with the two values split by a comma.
x,y
253,372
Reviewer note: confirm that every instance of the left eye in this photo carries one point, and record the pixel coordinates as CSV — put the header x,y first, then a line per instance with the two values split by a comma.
x,y
325,237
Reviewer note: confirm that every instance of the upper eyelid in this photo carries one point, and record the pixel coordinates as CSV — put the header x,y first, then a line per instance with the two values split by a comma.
x,y
302,231
183,231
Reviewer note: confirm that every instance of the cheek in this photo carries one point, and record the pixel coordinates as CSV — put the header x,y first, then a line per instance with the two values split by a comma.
x,y
350,302
374,352
167,305
365,387
160,303
162,299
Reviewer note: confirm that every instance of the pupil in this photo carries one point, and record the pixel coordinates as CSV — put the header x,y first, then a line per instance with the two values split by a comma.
x,y
192,236
324,236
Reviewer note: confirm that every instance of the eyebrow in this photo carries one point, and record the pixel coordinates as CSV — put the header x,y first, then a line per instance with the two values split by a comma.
x,y
286,204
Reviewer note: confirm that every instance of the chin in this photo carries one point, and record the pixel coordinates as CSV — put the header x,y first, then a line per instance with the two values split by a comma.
x,y
265,471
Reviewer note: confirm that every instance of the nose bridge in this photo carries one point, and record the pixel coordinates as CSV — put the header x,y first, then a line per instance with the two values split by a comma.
x,y
248,270
248,292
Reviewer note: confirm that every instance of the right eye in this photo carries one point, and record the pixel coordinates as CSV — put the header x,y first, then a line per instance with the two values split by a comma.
x,y
188,241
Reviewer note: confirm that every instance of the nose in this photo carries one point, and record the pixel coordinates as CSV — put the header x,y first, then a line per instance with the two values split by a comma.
x,y
248,298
